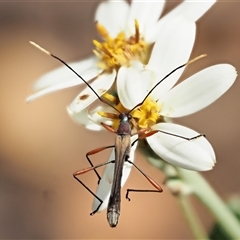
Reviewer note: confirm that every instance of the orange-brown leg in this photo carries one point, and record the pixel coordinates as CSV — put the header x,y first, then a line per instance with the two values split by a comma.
x,y
85,170
154,184
94,152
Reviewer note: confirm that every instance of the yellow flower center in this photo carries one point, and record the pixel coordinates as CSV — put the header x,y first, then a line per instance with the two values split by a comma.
x,y
119,51
148,114
145,116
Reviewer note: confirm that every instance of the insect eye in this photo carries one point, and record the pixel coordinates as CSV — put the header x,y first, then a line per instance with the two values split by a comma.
x,y
129,117
121,115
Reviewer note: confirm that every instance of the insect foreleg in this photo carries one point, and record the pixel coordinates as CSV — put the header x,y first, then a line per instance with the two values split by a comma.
x,y
107,127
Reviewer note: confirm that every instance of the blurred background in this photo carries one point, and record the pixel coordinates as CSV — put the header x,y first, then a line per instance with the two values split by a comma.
x,y
40,146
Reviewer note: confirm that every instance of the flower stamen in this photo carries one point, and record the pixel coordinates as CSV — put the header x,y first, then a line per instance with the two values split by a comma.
x,y
148,114
119,51
145,116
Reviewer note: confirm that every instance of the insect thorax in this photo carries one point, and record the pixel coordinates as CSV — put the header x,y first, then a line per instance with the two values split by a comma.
x,y
124,127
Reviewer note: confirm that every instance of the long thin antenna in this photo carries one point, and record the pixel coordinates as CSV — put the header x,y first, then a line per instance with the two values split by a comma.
x,y
63,62
174,70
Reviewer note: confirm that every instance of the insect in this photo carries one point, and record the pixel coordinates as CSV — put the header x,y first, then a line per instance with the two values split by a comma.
x,y
122,149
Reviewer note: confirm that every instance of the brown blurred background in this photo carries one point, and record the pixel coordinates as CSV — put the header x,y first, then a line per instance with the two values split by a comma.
x,y
41,147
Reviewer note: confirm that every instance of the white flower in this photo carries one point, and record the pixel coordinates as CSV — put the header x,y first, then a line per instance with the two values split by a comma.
x,y
134,27
127,32
190,96
166,101
172,142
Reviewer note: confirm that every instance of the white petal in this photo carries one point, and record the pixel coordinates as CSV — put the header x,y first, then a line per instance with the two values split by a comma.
x,y
67,83
172,49
146,14
198,91
196,154
190,9
101,84
63,74
105,185
112,15
133,84
83,119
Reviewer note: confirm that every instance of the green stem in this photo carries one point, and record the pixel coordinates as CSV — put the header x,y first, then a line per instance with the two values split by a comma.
x,y
212,201
201,189
191,217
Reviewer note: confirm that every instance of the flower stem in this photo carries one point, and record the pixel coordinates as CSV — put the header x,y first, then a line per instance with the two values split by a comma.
x,y
202,191
191,217
212,201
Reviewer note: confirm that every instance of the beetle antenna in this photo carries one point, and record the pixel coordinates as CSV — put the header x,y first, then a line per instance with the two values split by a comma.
x,y
64,63
174,70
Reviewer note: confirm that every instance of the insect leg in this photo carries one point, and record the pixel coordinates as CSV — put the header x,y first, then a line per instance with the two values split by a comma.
x,y
85,170
145,135
157,186
107,127
186,138
94,152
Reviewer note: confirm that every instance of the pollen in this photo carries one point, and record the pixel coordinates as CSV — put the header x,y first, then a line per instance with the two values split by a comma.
x,y
120,50
144,117
147,114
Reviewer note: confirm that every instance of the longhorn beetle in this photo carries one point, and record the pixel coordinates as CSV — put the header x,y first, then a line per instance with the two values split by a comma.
x,y
122,148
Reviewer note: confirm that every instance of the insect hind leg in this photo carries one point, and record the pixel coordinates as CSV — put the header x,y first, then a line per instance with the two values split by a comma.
x,y
80,172
92,152
154,184
140,190
84,185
